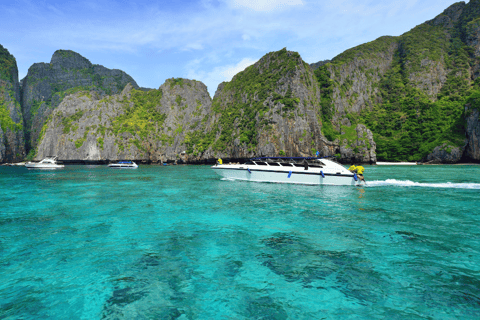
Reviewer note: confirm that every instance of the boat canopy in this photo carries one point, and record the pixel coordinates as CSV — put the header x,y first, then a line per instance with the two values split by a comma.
x,y
292,159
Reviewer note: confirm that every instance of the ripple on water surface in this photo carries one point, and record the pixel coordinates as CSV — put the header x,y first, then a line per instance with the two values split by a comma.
x,y
179,242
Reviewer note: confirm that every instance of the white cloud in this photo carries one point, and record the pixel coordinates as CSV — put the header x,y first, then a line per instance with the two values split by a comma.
x,y
266,5
229,71
193,46
218,74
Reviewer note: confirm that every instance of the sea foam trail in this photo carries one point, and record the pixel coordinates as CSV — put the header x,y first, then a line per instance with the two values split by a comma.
x,y
408,183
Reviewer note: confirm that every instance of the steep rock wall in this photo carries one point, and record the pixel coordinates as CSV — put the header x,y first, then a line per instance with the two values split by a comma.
x,y
141,125
272,108
409,90
46,84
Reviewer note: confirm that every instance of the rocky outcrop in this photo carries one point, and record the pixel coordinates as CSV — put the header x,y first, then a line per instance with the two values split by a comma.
x,y
445,154
361,149
135,124
46,84
277,117
12,142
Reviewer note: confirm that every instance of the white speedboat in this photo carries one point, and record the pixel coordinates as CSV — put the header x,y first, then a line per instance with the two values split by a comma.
x,y
47,163
124,165
313,171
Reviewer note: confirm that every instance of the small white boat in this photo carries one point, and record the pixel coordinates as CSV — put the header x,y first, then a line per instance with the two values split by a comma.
x,y
47,163
124,165
313,171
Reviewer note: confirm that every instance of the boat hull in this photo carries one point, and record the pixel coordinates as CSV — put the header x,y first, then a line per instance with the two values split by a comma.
x,y
123,166
43,166
296,177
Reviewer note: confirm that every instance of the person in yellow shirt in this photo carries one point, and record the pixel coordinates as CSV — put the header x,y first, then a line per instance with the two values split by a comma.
x,y
219,161
358,170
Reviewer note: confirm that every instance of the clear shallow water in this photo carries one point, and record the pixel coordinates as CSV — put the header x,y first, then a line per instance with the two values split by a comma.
x,y
90,242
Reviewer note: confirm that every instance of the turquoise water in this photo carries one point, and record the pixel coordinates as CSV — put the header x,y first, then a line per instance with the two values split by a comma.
x,y
177,242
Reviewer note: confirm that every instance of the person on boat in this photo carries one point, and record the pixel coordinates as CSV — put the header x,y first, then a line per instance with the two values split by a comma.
x,y
219,161
352,168
358,170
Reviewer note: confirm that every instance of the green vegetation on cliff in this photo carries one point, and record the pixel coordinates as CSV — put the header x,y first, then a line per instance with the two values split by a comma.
x,y
326,102
140,115
407,125
140,118
6,121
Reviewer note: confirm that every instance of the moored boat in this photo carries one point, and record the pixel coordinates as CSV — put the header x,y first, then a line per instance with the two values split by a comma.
x,y
299,170
124,165
47,163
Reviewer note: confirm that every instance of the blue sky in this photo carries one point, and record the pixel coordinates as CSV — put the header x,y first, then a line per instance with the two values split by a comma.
x,y
205,40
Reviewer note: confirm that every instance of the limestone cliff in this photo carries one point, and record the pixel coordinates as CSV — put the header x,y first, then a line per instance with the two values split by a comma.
x,y
12,142
46,85
409,90
273,108
135,124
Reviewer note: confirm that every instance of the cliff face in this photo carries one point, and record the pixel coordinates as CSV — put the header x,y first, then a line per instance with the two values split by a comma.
x,y
12,142
410,90
141,125
273,108
46,85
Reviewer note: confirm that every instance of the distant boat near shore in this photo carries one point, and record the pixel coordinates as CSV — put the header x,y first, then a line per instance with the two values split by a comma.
x,y
47,163
124,165
396,163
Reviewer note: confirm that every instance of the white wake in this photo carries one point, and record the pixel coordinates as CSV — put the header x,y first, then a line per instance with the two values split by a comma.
x,y
408,183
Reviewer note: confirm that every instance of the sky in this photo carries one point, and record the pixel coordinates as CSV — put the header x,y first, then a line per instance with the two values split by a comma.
x,y
205,40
